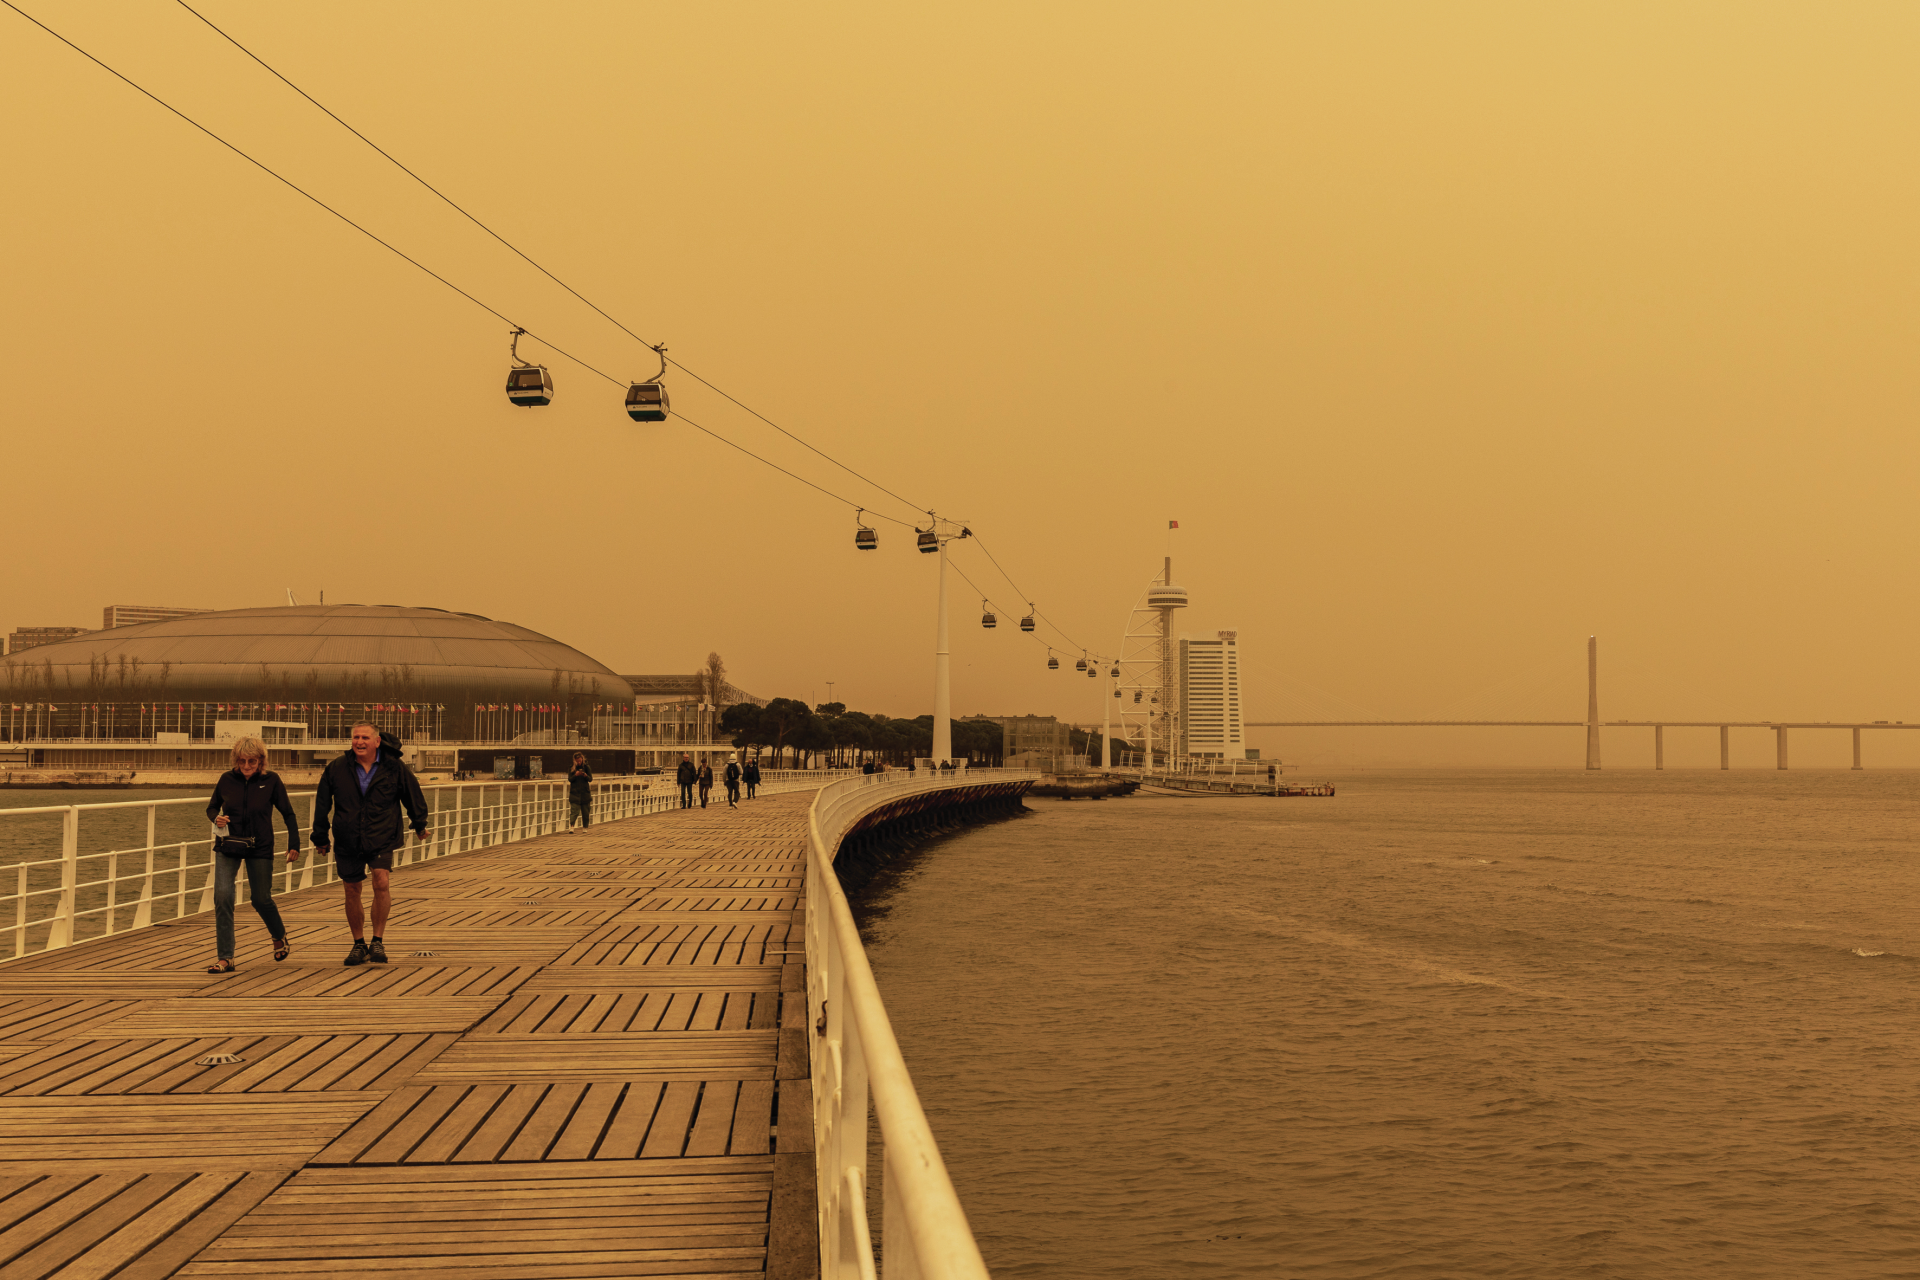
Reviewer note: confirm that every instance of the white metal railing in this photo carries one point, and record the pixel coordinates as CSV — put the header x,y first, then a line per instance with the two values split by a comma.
x,y
81,893
924,1231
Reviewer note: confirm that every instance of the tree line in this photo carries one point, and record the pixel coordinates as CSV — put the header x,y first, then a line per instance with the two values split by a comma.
x,y
790,731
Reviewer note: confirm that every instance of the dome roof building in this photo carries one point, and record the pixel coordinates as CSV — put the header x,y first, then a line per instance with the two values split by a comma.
x,y
343,653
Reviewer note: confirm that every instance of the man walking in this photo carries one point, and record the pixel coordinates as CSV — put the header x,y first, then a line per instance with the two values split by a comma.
x,y
751,775
580,793
733,784
686,775
363,793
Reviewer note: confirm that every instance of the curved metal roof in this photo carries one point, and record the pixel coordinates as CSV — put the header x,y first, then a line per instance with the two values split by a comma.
x,y
223,653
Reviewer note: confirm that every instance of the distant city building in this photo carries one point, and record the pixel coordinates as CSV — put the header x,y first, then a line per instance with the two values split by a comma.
x,y
684,688
1210,723
1041,735
33,637
127,615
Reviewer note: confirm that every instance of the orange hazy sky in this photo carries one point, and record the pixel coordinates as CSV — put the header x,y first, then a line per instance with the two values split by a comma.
x,y
1450,333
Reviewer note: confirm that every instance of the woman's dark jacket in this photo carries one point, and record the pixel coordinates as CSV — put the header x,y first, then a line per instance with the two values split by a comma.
x,y
248,804
580,784
371,823
706,777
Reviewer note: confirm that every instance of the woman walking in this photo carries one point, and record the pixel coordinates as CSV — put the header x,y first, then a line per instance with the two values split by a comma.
x,y
706,783
580,793
243,804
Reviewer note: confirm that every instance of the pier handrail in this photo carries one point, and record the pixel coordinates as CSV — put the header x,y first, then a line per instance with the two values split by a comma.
x,y
172,878
924,1230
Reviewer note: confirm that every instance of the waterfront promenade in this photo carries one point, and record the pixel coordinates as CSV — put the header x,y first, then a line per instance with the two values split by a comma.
x,y
588,1057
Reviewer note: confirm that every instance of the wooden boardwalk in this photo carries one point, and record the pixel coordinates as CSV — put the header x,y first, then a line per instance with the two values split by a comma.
x,y
586,1058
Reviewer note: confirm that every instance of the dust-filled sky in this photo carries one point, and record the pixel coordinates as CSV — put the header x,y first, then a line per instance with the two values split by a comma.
x,y
1451,334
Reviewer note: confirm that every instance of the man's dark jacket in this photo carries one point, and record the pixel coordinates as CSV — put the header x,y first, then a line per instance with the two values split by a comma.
x,y
368,824
686,774
733,773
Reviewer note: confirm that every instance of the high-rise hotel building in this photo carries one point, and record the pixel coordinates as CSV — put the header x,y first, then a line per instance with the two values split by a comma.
x,y
1210,723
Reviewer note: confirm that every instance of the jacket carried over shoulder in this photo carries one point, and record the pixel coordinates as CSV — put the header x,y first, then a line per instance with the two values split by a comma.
x,y
368,823
249,803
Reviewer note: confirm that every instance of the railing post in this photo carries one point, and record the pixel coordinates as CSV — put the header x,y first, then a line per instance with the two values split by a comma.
x,y
62,932
143,914
20,914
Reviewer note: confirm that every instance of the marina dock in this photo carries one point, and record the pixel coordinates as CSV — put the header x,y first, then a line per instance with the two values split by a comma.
x,y
587,1057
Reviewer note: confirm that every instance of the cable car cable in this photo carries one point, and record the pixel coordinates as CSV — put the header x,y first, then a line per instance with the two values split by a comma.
x,y
414,262
399,253
601,311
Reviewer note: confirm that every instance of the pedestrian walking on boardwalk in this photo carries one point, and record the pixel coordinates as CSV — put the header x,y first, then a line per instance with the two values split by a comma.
x,y
686,776
706,783
364,792
733,785
243,804
751,775
580,793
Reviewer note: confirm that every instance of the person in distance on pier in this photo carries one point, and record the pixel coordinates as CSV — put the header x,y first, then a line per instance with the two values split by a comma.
x,y
706,782
686,775
364,792
579,792
733,784
243,804
751,774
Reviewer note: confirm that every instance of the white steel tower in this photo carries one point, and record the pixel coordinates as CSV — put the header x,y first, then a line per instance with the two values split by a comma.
x,y
1149,675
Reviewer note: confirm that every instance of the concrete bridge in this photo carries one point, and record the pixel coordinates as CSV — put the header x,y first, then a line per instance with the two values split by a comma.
x,y
643,1049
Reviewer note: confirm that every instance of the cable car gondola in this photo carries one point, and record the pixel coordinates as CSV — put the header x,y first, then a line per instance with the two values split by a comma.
x,y
928,541
647,401
1093,673
1136,695
1115,673
865,538
1026,623
1053,663
987,619
1080,665
528,385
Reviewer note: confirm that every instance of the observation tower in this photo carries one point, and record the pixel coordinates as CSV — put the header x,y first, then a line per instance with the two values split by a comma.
x,y
1149,678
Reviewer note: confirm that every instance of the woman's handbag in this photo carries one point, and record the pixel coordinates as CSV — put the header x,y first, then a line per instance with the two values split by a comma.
x,y
234,846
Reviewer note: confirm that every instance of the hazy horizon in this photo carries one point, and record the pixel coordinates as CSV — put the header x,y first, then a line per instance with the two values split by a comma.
x,y
1451,337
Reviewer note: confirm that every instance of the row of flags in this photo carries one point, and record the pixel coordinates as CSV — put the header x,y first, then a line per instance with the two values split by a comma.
x,y
147,708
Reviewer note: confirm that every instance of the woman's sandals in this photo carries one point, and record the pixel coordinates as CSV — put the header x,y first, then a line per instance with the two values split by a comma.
x,y
282,948
222,966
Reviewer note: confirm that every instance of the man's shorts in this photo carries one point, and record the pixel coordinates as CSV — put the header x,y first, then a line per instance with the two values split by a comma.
x,y
352,865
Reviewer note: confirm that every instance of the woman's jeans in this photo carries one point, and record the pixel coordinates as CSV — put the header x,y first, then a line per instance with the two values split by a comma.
x,y
582,810
259,888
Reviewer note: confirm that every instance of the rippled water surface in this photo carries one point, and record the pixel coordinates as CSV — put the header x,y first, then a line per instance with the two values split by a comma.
x,y
1464,1025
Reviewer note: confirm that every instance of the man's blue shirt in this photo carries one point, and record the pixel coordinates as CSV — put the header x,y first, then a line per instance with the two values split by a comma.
x,y
366,775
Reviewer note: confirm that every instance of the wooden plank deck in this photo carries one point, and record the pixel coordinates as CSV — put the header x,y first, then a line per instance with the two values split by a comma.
x,y
572,1066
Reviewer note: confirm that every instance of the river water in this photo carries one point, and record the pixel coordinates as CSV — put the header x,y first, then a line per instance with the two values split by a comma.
x,y
1439,1025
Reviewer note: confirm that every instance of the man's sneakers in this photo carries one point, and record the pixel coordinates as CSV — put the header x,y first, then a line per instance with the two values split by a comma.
x,y
359,954
377,952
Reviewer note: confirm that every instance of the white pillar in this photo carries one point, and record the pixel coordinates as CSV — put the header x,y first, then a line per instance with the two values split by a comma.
x,y
1856,746
1593,702
942,693
1106,727
1659,746
1780,745
1723,746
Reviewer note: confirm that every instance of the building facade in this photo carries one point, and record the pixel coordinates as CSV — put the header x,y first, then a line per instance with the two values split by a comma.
x,y
128,615
24,638
1211,727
